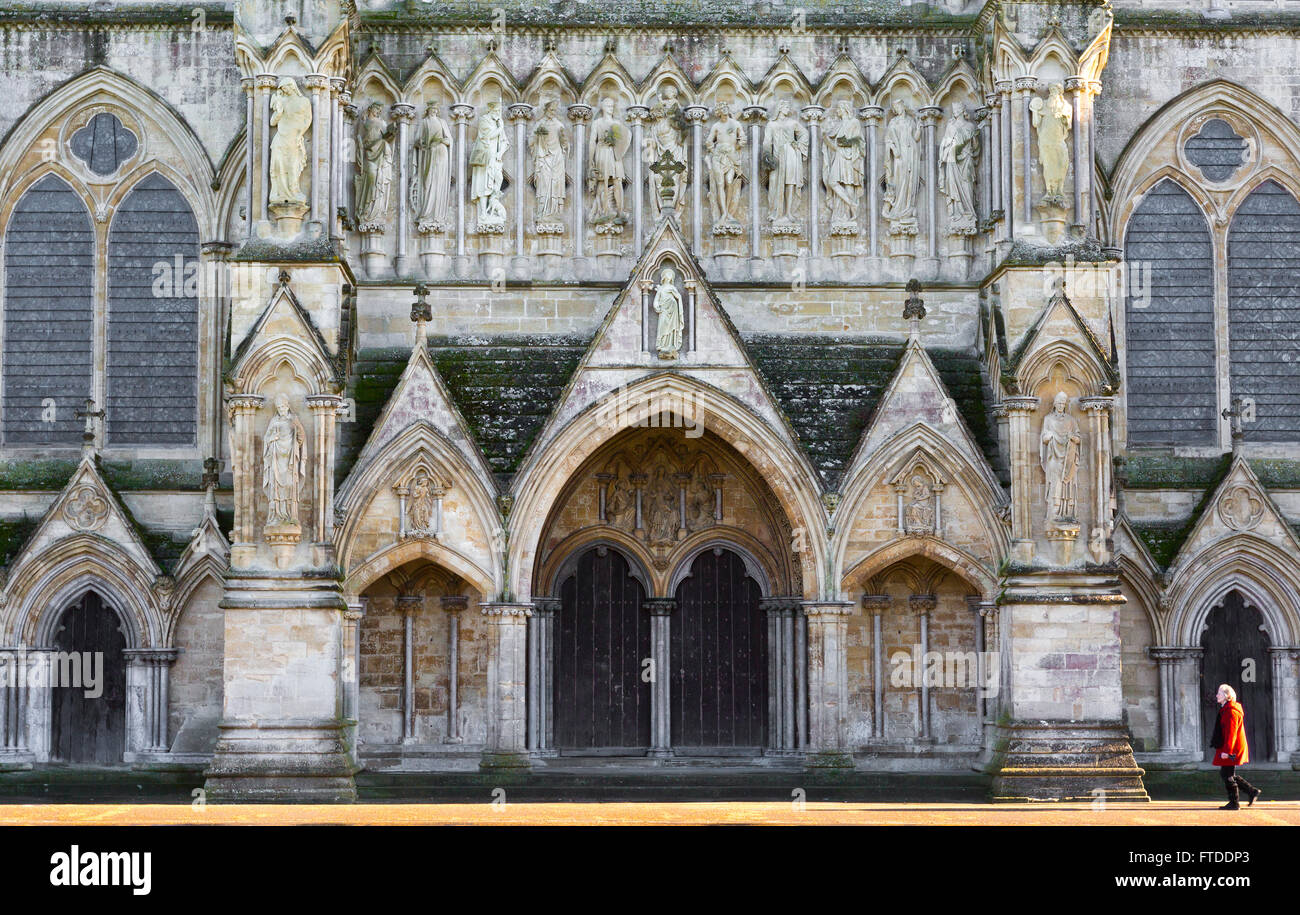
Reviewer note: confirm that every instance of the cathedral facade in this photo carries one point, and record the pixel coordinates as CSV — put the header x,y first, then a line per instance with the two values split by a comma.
x,y
420,386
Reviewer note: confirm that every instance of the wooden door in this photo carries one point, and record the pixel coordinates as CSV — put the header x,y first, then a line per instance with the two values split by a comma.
x,y
1234,634
718,657
602,638
90,729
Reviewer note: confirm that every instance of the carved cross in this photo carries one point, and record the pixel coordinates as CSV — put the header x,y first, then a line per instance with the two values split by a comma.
x,y
666,167
90,414
913,305
211,473
1236,413
421,310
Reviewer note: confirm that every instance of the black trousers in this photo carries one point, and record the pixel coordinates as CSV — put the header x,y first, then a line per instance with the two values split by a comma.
x,y
1232,782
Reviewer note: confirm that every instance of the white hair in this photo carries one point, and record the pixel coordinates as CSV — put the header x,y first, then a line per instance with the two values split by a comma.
x,y
1228,691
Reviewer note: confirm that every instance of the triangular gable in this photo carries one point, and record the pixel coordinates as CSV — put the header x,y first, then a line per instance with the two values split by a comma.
x,y
284,316
420,397
917,396
616,357
1059,321
1239,505
87,505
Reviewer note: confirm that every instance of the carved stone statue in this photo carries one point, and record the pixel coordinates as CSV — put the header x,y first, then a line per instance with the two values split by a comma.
x,y
420,504
785,147
667,132
902,170
662,514
431,182
959,152
918,513
722,157
550,145
668,306
1059,446
1052,123
843,171
374,169
283,464
291,117
486,163
609,142
620,506
700,503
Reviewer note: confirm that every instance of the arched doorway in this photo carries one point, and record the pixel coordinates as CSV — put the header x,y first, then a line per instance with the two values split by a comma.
x,y
88,713
1236,652
602,639
718,657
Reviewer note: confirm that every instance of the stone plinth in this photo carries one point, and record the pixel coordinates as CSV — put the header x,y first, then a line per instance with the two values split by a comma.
x,y
282,733
1065,761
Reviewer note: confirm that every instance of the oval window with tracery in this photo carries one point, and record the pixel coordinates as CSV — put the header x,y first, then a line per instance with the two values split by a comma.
x,y
1217,150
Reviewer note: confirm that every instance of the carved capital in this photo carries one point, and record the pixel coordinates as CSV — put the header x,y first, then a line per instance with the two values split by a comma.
x,y
317,82
1097,404
402,112
506,611
826,609
1020,404
580,114
755,114
461,113
922,603
876,603
454,603
993,100
519,111
637,114
1026,84
267,81
930,114
813,114
872,114
1004,86
659,606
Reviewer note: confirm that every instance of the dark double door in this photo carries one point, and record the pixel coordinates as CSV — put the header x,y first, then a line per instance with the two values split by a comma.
x,y
602,639
89,728
1236,653
718,654
717,659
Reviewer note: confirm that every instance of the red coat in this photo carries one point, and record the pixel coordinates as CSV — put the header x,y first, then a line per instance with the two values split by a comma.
x,y
1232,723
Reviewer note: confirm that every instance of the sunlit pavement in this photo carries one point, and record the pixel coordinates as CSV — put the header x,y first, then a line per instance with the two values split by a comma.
x,y
1158,813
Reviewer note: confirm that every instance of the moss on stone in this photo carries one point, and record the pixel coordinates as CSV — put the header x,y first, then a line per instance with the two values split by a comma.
x,y
14,534
1157,471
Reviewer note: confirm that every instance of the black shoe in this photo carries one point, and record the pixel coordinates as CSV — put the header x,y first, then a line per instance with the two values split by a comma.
x,y
1255,792
1231,805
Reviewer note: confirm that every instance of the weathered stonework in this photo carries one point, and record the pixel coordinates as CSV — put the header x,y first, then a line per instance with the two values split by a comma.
x,y
1051,464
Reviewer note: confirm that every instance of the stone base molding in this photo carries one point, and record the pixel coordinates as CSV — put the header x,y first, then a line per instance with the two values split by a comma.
x,y
1059,761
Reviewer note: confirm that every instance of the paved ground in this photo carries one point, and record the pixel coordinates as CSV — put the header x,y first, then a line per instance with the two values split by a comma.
x,y
1157,813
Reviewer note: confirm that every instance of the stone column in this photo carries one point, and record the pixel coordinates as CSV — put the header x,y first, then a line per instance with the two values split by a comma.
x,y
318,84
460,116
147,701
520,115
1074,88
453,605
243,461
1026,85
782,726
923,605
661,612
873,115
325,410
876,605
827,683
580,115
993,161
1024,460
266,83
402,115
755,115
409,606
1099,410
1167,659
507,744
637,116
252,184
981,608
814,115
356,611
695,115
338,159
984,198
1089,157
930,119
345,168
36,710
541,661
1008,156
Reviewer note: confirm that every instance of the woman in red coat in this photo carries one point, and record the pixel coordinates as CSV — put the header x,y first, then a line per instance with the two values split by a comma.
x,y
1230,749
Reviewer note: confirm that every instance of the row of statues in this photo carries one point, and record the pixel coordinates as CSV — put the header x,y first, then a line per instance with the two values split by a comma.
x,y
784,159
